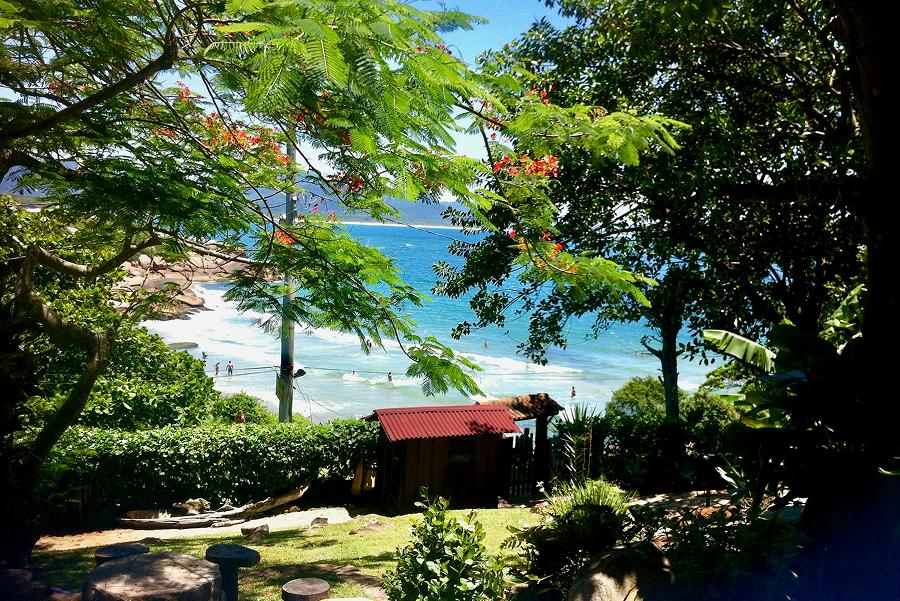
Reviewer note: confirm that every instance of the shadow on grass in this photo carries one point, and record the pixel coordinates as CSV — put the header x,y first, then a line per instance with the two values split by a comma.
x,y
63,569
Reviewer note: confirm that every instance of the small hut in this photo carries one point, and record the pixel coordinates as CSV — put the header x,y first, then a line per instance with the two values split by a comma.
x,y
541,408
455,452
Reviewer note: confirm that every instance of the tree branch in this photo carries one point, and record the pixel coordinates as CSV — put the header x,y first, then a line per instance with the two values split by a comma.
x,y
161,63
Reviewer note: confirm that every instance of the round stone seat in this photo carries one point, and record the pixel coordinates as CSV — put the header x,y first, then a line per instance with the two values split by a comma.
x,y
119,550
154,577
306,589
229,558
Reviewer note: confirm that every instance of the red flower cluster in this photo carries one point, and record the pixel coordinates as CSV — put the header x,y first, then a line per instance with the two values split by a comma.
x,y
542,94
548,166
501,164
442,47
355,185
283,237
165,131
184,91
225,139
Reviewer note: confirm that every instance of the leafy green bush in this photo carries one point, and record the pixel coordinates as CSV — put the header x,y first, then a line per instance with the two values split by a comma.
x,y
707,416
145,385
255,412
578,522
102,469
641,449
445,561
639,396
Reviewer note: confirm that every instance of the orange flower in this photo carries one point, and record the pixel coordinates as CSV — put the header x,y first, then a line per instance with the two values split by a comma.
x,y
283,237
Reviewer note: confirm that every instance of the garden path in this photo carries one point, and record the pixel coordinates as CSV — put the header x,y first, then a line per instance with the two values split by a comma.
x,y
283,521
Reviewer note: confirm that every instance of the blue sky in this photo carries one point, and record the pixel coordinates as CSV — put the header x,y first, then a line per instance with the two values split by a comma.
x,y
507,20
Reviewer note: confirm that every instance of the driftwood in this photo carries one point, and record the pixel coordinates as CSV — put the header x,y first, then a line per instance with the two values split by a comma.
x,y
215,518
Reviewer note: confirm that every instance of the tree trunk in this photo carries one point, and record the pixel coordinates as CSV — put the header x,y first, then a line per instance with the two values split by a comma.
x,y
19,505
668,306
668,359
856,527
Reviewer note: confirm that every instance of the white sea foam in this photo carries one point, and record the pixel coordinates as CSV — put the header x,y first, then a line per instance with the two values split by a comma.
x,y
515,365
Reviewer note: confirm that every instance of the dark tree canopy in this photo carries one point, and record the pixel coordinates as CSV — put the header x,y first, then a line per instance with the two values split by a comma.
x,y
747,224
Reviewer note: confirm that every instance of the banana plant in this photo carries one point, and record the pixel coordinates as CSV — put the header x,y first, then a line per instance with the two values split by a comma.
x,y
795,412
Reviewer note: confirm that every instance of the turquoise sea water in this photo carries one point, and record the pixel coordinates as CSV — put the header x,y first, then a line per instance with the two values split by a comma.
x,y
330,389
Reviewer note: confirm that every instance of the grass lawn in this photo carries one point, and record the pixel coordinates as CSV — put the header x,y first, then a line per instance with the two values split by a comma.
x,y
321,552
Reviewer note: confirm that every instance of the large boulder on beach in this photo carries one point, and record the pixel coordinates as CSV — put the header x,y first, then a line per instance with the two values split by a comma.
x,y
637,572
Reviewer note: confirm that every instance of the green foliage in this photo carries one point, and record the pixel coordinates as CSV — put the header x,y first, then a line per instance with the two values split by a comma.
x,y
576,429
101,469
146,385
723,555
638,396
446,561
640,448
708,416
578,522
255,411
796,430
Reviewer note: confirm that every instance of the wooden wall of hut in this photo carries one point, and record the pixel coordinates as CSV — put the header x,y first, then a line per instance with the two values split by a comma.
x,y
466,470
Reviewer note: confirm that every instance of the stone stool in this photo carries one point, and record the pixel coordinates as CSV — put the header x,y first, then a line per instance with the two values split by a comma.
x,y
230,558
119,550
306,589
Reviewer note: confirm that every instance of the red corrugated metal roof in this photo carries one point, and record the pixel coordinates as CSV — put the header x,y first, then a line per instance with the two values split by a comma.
x,y
403,423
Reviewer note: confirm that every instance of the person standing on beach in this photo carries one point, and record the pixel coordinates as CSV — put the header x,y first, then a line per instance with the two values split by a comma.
x,y
390,377
216,367
229,368
573,392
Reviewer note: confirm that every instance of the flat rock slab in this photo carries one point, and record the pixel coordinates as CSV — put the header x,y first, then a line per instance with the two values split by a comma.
x,y
306,589
154,577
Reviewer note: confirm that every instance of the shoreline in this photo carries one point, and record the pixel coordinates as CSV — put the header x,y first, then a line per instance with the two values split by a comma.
x,y
419,226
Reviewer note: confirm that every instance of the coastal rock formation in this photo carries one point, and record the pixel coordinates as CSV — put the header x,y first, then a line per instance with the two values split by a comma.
x,y
155,274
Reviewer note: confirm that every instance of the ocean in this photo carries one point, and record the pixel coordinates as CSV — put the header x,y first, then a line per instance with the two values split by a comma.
x,y
331,389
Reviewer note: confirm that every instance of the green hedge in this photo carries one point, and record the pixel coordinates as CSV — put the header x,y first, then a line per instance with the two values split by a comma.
x,y
102,471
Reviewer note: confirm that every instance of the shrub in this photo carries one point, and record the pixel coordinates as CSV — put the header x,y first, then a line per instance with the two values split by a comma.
x,y
707,416
145,385
101,469
578,522
445,561
639,396
641,449
255,412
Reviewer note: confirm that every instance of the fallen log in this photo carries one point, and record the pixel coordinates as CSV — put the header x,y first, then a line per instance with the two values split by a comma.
x,y
215,518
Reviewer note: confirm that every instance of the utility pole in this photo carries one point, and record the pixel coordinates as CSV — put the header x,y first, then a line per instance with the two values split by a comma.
x,y
284,386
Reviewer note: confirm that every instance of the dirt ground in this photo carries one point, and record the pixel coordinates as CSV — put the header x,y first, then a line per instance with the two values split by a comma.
x,y
284,521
